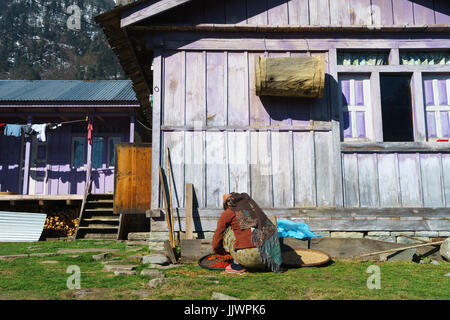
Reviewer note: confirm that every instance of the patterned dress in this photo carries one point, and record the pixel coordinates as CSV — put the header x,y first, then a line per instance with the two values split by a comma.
x,y
249,258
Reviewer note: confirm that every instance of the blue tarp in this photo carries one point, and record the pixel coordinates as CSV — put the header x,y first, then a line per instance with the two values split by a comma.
x,y
291,229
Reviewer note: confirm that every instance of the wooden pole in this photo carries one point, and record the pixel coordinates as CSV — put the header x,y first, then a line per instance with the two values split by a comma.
x,y
169,169
401,249
189,209
163,187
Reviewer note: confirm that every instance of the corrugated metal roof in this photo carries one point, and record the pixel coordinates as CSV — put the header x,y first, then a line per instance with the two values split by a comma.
x,y
66,90
21,226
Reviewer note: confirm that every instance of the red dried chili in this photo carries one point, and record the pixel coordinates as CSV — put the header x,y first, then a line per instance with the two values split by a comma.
x,y
221,264
220,257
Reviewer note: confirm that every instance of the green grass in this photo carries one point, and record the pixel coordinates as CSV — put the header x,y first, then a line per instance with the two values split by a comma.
x,y
28,278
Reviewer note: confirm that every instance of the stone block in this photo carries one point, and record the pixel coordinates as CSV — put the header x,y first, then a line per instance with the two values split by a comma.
x,y
152,273
383,238
139,236
124,273
156,283
411,241
347,235
445,250
399,233
101,256
119,267
155,259
221,296
156,246
324,234
159,236
405,255
426,234
444,234
379,233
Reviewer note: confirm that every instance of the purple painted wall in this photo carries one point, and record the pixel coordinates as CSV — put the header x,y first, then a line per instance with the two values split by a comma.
x,y
51,170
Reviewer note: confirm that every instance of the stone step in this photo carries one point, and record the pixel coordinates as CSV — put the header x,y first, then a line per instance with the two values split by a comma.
x,y
99,236
139,236
103,219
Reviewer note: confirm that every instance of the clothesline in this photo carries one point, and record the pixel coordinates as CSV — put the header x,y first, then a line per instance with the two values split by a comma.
x,y
16,130
143,125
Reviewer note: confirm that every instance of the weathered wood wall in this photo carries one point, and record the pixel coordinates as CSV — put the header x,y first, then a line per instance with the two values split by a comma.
x,y
223,138
393,180
311,12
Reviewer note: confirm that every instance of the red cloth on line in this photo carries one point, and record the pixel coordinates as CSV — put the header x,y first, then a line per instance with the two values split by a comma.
x,y
90,132
243,237
2,128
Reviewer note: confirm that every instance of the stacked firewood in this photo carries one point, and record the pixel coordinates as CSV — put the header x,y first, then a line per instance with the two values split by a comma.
x,y
61,224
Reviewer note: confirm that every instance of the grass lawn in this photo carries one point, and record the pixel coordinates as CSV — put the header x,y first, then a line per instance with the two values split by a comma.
x,y
30,278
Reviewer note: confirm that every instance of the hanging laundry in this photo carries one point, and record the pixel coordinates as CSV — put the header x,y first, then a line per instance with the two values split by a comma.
x,y
13,130
40,130
2,127
53,126
27,131
90,132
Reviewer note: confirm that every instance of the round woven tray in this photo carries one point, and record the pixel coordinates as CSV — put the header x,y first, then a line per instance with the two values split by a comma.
x,y
207,264
304,257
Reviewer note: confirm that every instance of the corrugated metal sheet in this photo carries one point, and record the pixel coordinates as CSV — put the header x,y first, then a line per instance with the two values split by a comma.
x,y
67,90
21,226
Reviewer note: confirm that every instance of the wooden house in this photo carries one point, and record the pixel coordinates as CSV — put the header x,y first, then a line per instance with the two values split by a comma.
x,y
57,168
371,156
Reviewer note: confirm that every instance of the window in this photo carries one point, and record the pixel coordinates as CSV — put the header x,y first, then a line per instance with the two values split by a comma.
x,y
396,108
111,151
78,152
363,58
424,58
356,107
437,106
97,152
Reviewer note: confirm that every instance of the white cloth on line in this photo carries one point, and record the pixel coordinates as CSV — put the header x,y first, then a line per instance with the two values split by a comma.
x,y
40,130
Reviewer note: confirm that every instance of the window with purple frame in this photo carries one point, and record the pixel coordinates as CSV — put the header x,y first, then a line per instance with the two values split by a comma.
x,y
437,106
356,107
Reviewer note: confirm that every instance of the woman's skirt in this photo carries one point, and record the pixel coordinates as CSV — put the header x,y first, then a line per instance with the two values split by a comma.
x,y
250,257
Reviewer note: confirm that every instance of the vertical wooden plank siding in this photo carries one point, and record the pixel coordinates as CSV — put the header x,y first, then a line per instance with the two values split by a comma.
x,y
277,11
368,180
446,177
382,13
175,142
258,113
388,179
257,12
237,89
260,168
442,11
194,166
304,169
216,171
423,12
350,180
360,12
403,12
418,108
282,169
410,182
319,12
298,12
324,169
216,88
340,12
156,126
174,84
238,161
195,88
430,165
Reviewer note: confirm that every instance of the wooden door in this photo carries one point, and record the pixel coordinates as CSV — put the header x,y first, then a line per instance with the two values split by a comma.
x,y
132,178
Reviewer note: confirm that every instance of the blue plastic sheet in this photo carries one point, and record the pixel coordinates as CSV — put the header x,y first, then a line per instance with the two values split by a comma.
x,y
290,229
